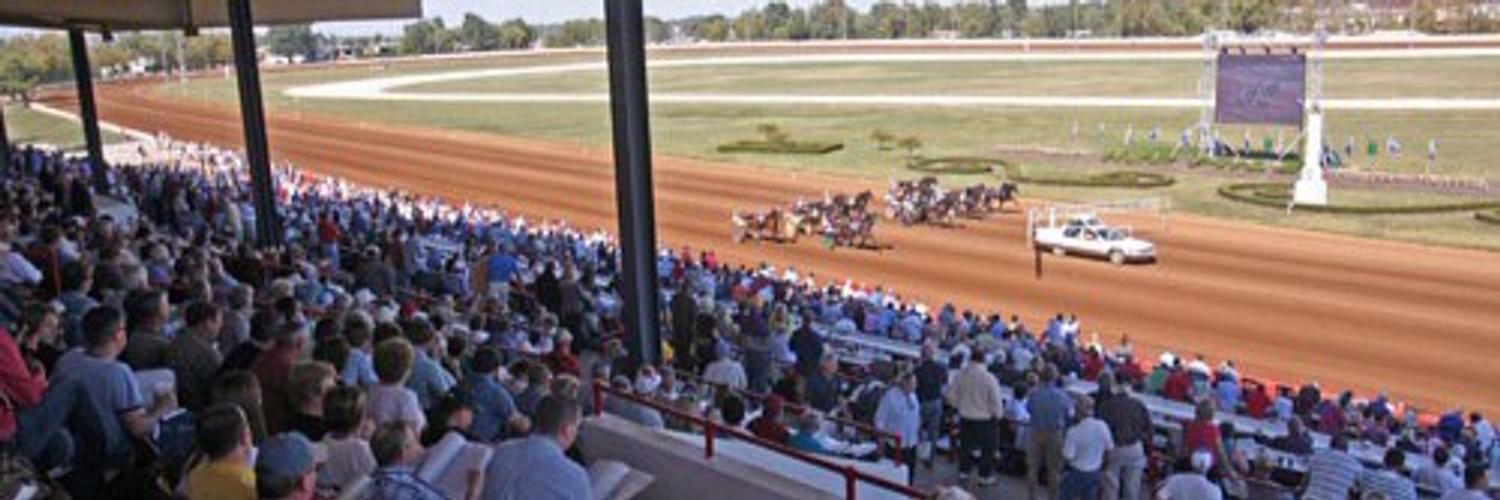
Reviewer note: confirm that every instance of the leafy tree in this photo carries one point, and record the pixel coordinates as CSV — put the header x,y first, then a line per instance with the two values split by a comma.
x,y
577,33
712,28
911,144
478,34
296,40
657,30
428,36
1250,16
516,34
205,51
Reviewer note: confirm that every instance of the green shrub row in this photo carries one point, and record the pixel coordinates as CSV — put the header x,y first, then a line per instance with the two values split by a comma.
x,y
1116,179
956,165
1144,154
1240,164
1492,217
780,147
1277,195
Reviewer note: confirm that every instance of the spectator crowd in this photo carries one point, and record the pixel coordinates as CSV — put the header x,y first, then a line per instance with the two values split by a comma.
x,y
154,351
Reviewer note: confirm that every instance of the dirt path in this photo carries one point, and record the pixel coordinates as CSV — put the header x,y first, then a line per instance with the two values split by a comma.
x,y
1421,322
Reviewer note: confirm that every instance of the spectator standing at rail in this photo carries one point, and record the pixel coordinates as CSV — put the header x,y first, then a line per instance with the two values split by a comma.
x,y
1049,408
975,393
1130,425
932,380
1084,448
725,371
899,413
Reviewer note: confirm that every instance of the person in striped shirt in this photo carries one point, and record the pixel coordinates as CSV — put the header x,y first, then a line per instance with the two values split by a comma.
x,y
1331,472
1390,482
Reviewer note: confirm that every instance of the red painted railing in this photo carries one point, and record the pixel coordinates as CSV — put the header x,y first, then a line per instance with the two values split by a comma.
x,y
852,475
880,437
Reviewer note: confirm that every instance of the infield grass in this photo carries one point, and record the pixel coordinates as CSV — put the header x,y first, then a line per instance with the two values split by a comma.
x,y
29,126
1466,138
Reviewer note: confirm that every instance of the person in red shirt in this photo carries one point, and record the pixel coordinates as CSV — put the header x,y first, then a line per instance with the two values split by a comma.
x,y
1203,435
1257,401
768,425
22,384
562,360
1093,363
1130,373
1179,385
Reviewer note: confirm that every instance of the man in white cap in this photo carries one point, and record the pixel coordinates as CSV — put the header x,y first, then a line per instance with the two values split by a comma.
x,y
1192,484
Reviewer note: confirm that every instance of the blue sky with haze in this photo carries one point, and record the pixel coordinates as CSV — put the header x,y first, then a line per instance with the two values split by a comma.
x,y
551,11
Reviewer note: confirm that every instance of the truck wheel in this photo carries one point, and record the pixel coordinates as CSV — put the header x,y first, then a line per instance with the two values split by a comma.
x,y
1116,257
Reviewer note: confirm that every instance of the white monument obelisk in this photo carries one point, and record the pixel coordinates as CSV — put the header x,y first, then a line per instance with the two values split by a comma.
x,y
1311,189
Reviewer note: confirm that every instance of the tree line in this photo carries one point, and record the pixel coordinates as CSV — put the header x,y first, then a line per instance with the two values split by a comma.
x,y
30,60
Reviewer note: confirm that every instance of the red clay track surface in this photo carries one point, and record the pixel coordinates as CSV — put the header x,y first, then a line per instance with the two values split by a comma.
x,y
1421,322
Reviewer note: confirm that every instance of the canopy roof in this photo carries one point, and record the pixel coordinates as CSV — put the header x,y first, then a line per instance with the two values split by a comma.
x,y
129,15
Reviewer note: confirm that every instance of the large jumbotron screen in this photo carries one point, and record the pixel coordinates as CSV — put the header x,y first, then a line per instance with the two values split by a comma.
x,y
1260,88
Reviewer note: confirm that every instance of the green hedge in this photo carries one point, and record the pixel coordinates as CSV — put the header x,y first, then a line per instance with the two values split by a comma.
x,y
1277,195
956,165
1158,154
1164,154
1239,164
1492,216
973,165
780,147
1116,179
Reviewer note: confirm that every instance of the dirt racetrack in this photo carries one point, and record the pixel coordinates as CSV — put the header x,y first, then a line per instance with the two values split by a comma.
x,y
1421,322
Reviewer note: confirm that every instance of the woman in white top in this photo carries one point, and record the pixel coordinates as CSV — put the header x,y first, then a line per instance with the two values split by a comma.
x,y
390,400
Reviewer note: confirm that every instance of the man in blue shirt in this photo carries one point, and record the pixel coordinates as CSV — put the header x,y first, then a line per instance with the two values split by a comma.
x,y
495,415
113,401
535,468
428,377
1049,407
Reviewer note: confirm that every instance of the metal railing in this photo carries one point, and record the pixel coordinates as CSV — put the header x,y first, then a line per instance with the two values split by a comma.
x,y
880,437
852,475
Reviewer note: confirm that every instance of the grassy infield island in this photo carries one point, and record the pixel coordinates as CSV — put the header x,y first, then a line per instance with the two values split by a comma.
x,y
1466,138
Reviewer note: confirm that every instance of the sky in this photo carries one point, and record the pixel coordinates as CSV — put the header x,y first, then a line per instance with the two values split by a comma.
x,y
552,11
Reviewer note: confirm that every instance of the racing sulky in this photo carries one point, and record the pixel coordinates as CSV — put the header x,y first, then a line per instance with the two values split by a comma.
x,y
925,201
841,220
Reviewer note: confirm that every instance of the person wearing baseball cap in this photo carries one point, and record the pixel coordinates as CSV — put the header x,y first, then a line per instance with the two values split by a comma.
x,y
286,468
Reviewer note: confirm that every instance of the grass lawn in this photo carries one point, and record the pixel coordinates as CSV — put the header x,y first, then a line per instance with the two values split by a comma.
x,y
1466,138
1454,77
29,126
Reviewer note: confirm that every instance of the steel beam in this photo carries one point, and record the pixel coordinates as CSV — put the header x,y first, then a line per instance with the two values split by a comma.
x,y
629,113
252,111
83,75
4,141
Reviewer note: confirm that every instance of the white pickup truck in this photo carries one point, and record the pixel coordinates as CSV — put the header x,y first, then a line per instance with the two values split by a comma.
x,y
1085,234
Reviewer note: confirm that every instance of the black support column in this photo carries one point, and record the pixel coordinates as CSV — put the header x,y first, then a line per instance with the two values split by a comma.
x,y
257,146
4,141
87,113
629,113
